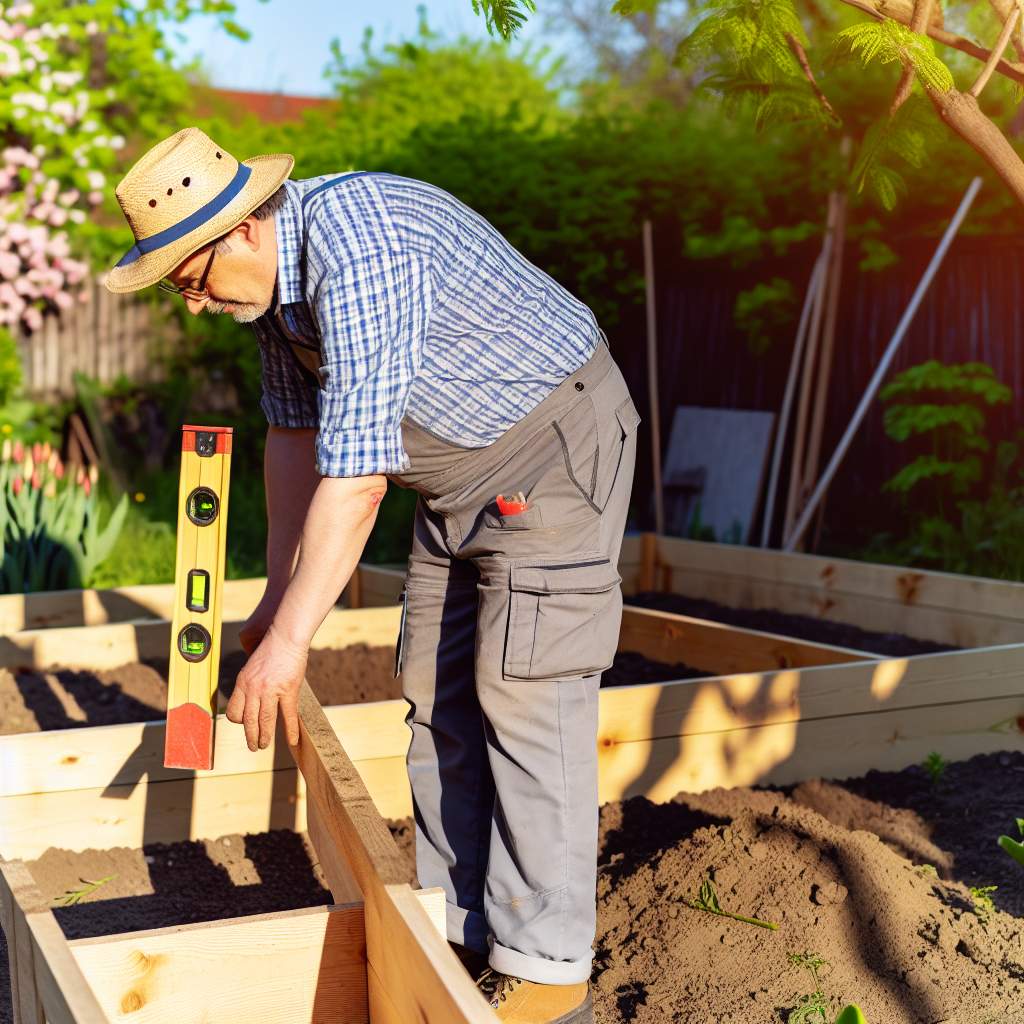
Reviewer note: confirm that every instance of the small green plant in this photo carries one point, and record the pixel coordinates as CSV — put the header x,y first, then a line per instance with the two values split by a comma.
x,y
708,902
935,765
50,537
73,896
981,897
814,1008
927,870
1014,848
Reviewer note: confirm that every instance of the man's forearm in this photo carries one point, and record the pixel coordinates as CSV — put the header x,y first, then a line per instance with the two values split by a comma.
x,y
290,479
338,523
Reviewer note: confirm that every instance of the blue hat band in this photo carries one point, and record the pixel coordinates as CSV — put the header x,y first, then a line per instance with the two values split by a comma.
x,y
191,222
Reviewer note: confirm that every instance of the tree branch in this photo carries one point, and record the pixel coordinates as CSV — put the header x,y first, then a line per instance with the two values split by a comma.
x,y
801,57
961,112
990,65
881,9
1003,9
918,23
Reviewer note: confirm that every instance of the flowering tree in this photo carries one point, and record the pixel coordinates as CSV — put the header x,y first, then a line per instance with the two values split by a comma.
x,y
70,77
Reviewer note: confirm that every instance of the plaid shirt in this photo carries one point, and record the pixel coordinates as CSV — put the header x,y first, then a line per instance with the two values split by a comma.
x,y
394,299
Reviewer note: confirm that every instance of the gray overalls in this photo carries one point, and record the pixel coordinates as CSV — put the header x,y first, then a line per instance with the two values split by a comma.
x,y
507,625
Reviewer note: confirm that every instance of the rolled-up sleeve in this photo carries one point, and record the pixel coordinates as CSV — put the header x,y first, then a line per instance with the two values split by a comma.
x,y
372,317
289,396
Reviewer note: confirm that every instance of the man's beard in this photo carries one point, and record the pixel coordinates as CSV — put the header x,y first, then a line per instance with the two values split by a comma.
x,y
242,312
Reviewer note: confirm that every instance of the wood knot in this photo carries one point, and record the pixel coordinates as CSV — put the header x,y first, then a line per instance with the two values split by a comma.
x,y
69,759
132,1002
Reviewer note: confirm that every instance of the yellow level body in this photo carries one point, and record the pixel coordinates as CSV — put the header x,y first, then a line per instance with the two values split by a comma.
x,y
198,596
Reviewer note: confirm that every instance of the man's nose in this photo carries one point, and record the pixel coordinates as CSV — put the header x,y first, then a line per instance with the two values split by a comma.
x,y
196,306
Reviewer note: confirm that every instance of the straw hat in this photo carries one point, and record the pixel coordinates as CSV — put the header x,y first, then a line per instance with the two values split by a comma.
x,y
181,195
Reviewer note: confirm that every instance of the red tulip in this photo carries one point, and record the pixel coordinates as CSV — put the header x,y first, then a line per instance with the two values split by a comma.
x,y
19,451
18,484
58,470
36,482
80,476
37,452
86,486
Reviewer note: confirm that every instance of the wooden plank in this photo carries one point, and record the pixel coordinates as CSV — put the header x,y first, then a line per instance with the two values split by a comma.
x,y
50,986
409,960
298,966
790,752
108,756
964,611
162,813
379,586
56,608
343,886
109,646
719,649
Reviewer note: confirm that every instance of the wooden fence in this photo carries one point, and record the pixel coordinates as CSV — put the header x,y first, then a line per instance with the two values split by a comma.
x,y
104,337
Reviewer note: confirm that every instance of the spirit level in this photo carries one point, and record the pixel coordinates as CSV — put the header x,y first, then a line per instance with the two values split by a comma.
x,y
198,586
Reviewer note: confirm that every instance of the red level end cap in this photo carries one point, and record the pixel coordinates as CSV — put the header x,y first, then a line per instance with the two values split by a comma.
x,y
224,435
189,738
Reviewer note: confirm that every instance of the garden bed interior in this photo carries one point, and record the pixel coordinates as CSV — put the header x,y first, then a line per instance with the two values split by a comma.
x,y
697,711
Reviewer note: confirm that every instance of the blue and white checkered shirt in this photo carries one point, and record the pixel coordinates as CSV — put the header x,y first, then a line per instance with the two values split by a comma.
x,y
394,299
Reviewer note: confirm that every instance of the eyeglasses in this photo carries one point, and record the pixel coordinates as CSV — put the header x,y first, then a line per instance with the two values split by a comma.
x,y
191,293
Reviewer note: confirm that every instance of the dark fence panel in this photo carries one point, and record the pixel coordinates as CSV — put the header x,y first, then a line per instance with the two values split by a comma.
x,y
972,312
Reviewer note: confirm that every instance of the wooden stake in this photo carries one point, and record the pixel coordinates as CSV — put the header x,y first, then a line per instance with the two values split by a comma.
x,y
782,425
796,535
652,379
800,437
832,287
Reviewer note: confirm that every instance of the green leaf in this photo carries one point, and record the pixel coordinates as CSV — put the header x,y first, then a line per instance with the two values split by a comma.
x,y
1012,847
506,17
852,1014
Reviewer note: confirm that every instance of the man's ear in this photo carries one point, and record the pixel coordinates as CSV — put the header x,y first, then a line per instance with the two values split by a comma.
x,y
248,233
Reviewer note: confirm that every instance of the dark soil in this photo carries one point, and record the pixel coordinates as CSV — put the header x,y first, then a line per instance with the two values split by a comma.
x,y
806,627
871,874
60,698
167,884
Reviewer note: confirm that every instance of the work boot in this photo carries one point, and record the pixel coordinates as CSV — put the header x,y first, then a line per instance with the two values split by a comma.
x,y
517,1001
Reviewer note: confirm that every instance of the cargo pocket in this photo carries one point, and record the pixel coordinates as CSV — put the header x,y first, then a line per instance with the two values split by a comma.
x,y
564,618
400,643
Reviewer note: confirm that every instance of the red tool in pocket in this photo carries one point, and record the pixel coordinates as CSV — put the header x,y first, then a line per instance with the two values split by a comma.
x,y
512,505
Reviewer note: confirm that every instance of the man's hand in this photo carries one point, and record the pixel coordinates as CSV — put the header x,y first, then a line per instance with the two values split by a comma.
x,y
270,678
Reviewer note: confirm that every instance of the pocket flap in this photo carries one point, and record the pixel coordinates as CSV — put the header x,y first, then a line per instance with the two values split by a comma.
x,y
585,576
628,417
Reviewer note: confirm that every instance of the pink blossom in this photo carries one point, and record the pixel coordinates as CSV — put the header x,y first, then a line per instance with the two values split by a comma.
x,y
33,318
63,300
10,265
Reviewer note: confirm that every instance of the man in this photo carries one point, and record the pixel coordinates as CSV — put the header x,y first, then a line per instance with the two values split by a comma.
x,y
403,338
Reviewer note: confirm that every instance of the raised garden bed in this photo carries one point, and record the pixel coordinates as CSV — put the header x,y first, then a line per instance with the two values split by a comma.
x,y
769,710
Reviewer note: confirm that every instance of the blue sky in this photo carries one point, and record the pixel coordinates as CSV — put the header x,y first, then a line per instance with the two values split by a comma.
x,y
291,38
